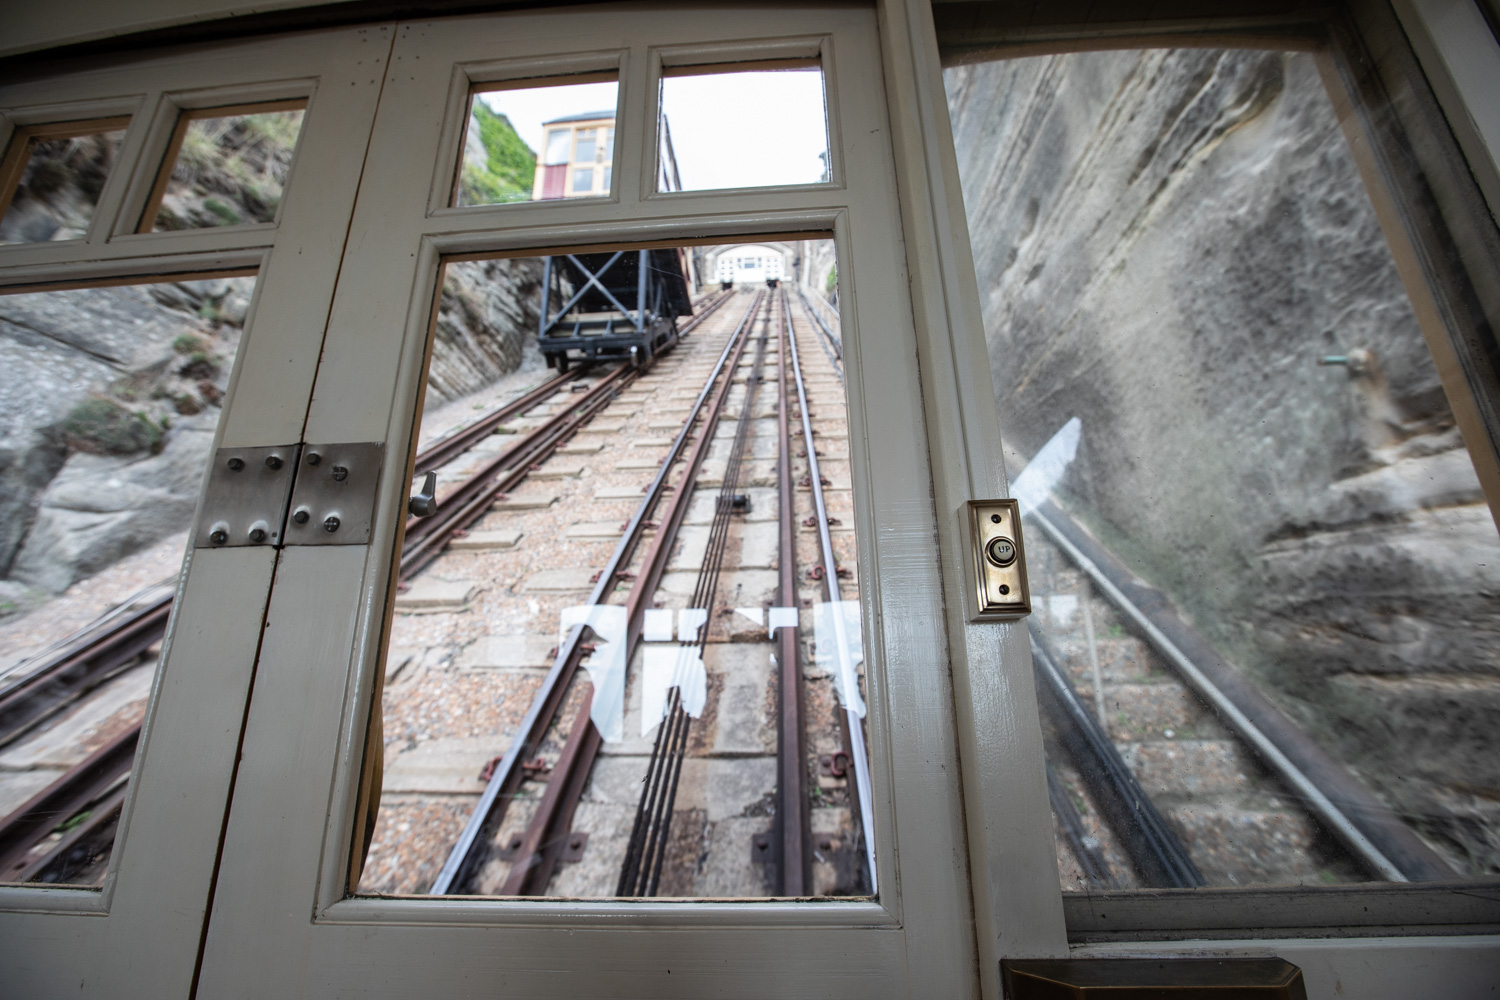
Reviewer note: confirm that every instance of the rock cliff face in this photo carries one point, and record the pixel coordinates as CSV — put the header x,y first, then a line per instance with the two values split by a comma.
x,y
1167,243
109,398
487,311
108,401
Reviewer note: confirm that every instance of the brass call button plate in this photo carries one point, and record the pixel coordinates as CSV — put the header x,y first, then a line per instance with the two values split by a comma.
x,y
997,561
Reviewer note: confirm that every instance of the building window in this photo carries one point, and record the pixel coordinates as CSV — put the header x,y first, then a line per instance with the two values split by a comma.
x,y
557,146
586,146
583,180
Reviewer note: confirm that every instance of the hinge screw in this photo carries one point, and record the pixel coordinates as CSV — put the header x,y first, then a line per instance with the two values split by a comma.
x,y
218,536
313,458
994,518
257,535
273,461
331,524
235,464
340,473
301,515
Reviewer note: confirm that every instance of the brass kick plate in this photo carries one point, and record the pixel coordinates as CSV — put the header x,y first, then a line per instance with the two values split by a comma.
x,y
997,561
1156,978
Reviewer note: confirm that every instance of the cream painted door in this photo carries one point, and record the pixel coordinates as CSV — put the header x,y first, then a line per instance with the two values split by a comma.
x,y
140,934
283,924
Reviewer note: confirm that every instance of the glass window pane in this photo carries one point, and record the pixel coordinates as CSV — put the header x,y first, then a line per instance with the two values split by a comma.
x,y
583,180
58,171
558,141
660,767
507,126
776,134
1242,480
231,168
109,404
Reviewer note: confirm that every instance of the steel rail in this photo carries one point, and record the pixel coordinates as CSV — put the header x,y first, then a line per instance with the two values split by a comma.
x,y
1157,855
832,346
1091,860
80,786
580,761
470,850
82,667
55,684
646,852
446,449
793,818
1365,826
836,612
426,537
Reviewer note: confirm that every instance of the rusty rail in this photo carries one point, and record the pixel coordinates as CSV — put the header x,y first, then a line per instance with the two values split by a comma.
x,y
471,849
1371,832
792,817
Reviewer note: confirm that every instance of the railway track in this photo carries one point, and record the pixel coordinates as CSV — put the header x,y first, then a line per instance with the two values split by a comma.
x,y
1169,769
91,793
527,821
1124,821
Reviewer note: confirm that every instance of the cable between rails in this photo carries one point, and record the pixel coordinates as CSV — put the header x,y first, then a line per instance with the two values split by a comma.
x,y
470,848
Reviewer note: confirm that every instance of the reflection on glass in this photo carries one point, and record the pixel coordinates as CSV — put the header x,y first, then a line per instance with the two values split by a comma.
x,y
57,173
110,401
743,125
230,168
571,122
1245,487
621,669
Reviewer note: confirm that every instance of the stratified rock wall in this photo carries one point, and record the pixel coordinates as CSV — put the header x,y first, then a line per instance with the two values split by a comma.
x,y
157,353
488,309
1167,242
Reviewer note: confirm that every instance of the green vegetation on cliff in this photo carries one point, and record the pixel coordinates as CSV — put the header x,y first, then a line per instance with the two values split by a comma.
x,y
509,165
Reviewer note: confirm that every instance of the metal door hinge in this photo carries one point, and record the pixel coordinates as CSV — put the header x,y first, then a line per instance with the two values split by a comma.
x,y
333,502
293,494
245,503
997,561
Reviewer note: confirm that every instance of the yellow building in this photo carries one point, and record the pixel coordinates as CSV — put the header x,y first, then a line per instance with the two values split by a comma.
x,y
577,157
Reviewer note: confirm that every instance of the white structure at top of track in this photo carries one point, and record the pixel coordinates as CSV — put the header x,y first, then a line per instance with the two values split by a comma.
x,y
752,264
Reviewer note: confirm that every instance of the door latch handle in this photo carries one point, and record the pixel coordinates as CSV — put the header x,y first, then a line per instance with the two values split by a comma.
x,y
424,504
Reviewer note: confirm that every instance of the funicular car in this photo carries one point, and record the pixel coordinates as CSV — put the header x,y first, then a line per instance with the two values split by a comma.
x,y
605,306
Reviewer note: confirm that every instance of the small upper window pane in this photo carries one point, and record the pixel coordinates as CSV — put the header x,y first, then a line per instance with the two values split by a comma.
x,y
558,141
586,147
230,167
743,125
508,126
51,179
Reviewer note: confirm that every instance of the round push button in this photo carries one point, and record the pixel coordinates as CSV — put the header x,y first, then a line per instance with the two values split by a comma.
x,y
1001,551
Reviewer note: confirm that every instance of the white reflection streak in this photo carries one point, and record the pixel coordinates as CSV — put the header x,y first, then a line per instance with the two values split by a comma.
x,y
1045,470
606,665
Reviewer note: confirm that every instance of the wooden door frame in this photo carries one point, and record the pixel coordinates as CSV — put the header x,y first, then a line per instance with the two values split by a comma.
x,y
141,933
918,938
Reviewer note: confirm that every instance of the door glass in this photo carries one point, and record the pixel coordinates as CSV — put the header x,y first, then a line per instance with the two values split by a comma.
x,y
1266,581
51,178
111,398
509,123
776,133
646,480
229,167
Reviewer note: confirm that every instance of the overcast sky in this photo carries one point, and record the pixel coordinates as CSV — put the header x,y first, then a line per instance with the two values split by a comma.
x,y
729,129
